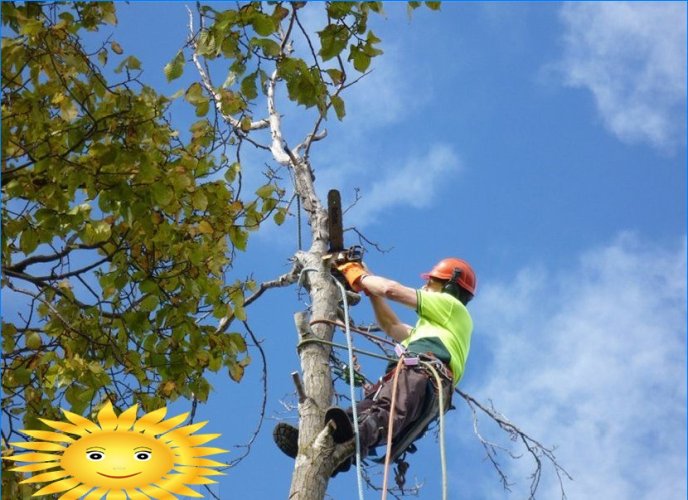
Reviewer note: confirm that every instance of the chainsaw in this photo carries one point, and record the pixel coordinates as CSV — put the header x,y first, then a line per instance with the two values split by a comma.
x,y
337,253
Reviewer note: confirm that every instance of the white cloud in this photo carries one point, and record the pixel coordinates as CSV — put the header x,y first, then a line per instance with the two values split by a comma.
x,y
412,184
593,360
632,57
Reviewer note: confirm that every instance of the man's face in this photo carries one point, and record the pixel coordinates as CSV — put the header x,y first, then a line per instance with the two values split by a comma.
x,y
433,285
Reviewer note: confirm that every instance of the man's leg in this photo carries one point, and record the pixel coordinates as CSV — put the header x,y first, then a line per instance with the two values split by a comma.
x,y
374,410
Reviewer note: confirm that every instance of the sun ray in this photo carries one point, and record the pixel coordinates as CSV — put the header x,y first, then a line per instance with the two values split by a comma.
x,y
46,477
35,467
150,418
158,493
187,430
176,483
116,495
75,493
165,425
200,462
204,452
200,471
199,480
107,418
33,457
96,494
65,427
57,487
200,439
127,418
81,422
39,446
49,436
137,495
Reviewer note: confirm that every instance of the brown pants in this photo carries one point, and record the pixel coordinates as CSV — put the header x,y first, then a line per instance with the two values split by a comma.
x,y
414,386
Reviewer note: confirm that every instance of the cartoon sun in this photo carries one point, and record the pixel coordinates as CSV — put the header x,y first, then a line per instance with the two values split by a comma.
x,y
119,457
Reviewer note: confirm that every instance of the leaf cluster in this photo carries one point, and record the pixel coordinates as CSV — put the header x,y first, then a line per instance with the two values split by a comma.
x,y
256,39
117,234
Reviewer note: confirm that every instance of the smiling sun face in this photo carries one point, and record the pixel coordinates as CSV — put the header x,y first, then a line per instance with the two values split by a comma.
x,y
119,456
118,460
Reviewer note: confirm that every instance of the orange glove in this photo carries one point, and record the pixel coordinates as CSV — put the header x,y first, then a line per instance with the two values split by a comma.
x,y
353,272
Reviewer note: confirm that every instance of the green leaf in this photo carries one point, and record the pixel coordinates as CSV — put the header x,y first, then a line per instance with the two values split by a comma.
x,y
236,371
338,105
175,67
339,10
28,241
248,86
162,194
199,200
337,76
266,190
238,237
204,227
433,5
148,286
333,40
194,93
264,24
280,216
270,47
149,303
116,48
360,59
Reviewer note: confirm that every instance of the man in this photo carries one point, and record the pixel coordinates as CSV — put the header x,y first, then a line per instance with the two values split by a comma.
x,y
442,334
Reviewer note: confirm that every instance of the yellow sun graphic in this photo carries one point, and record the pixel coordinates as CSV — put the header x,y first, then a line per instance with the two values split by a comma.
x,y
119,457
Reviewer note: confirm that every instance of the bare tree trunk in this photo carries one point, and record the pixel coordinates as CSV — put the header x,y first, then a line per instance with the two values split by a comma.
x,y
315,460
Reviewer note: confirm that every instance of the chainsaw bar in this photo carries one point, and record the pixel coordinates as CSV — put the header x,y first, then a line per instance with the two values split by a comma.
x,y
334,221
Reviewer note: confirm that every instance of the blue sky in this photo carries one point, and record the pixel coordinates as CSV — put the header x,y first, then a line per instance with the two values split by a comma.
x,y
545,143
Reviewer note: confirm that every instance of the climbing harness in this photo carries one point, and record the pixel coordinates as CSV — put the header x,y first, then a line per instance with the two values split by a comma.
x,y
395,450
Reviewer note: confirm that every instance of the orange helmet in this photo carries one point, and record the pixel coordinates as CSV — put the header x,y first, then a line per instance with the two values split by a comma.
x,y
444,270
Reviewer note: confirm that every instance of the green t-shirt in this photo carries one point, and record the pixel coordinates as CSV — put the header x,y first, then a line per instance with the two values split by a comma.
x,y
444,328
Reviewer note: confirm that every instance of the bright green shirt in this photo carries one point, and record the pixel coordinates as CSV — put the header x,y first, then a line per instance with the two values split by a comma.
x,y
443,318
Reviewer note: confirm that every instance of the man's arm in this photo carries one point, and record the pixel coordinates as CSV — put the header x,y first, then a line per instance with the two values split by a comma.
x,y
379,289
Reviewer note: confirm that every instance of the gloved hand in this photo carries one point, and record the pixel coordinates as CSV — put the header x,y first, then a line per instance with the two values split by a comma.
x,y
353,272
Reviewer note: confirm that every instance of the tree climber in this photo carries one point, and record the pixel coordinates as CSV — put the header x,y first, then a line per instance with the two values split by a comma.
x,y
441,336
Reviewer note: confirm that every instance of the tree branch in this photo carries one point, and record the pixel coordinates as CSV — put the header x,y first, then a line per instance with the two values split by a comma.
x,y
286,279
535,448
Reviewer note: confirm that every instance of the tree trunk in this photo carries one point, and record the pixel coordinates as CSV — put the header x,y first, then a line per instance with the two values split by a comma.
x,y
315,460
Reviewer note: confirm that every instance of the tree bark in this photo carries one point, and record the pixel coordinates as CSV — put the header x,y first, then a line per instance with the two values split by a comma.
x,y
315,460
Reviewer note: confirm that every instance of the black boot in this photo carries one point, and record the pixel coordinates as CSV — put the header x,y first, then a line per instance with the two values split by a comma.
x,y
286,438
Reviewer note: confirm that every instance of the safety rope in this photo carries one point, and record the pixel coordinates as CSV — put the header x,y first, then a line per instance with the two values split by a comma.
x,y
443,458
352,379
390,426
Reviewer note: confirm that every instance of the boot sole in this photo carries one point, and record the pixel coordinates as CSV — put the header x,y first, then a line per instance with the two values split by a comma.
x,y
286,438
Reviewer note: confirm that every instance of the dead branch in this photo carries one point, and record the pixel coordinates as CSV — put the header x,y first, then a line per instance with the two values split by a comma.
x,y
536,449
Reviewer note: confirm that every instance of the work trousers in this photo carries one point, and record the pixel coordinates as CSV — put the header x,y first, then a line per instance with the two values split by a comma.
x,y
414,386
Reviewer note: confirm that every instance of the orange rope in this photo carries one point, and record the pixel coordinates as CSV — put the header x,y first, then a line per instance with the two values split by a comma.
x,y
390,425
